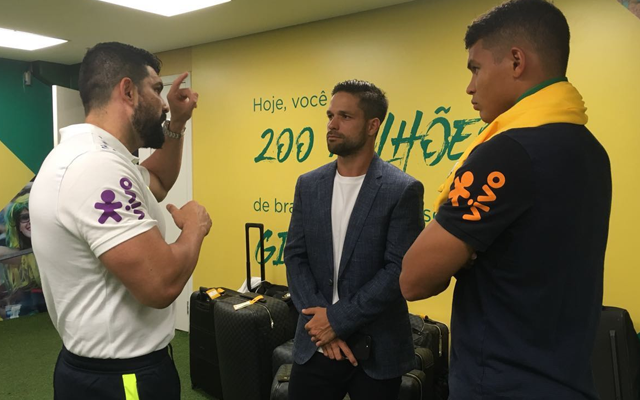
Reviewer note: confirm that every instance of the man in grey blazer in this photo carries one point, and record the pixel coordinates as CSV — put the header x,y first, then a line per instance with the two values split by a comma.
x,y
353,220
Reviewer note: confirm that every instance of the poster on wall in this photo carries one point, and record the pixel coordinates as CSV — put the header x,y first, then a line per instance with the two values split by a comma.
x,y
632,5
20,286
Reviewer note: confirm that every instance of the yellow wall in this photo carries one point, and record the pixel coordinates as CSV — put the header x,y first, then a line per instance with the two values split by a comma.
x,y
17,177
175,62
415,52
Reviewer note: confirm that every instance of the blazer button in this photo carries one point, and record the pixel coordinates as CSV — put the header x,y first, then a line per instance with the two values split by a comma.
x,y
330,282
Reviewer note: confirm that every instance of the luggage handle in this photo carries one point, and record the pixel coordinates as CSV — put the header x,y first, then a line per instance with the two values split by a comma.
x,y
441,338
252,296
260,227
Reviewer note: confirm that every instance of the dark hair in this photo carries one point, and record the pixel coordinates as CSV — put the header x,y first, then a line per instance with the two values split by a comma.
x,y
538,22
372,100
104,66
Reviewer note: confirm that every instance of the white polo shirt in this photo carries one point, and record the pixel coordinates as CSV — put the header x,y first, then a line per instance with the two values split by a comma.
x,y
88,197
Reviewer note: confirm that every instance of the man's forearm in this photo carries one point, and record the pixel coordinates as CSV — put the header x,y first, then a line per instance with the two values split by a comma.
x,y
165,163
186,249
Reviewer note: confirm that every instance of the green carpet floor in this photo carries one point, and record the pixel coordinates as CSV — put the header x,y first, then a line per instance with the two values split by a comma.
x,y
29,347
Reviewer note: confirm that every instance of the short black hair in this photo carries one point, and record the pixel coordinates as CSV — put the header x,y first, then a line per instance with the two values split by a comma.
x,y
104,66
538,22
373,101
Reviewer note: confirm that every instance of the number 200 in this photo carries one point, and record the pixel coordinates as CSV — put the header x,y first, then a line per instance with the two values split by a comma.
x,y
284,145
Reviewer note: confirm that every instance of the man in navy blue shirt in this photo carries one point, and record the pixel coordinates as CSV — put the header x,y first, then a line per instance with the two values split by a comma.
x,y
522,221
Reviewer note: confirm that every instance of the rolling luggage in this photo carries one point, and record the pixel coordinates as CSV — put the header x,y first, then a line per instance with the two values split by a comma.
x,y
414,386
440,351
426,363
266,288
616,356
282,354
248,327
434,335
246,339
204,366
280,386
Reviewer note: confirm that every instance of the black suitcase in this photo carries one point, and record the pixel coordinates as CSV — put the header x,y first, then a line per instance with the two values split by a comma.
x,y
434,335
204,367
418,331
282,354
266,288
616,356
280,386
426,363
246,337
440,347
414,386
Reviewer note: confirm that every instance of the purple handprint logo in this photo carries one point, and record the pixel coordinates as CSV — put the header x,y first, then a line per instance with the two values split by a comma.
x,y
108,207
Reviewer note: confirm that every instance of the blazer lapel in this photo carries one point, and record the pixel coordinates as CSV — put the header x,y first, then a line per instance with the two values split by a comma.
x,y
324,195
367,195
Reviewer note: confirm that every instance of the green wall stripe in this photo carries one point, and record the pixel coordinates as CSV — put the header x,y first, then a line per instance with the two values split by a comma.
x,y
26,114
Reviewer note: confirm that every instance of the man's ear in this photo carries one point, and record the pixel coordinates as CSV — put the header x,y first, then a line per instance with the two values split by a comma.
x,y
373,126
519,61
127,91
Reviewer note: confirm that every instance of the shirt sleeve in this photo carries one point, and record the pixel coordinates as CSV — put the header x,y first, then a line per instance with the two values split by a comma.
x,y
491,189
103,201
146,178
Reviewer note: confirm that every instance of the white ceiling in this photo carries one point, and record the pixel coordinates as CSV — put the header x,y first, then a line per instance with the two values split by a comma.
x,y
87,22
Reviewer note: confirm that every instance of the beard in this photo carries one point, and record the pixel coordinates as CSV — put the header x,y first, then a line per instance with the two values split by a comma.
x,y
148,126
347,146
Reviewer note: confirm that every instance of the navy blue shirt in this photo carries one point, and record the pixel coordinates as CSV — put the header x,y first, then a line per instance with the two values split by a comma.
x,y
534,203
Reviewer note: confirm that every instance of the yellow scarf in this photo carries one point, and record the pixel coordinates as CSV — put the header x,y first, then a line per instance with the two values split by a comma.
x,y
556,103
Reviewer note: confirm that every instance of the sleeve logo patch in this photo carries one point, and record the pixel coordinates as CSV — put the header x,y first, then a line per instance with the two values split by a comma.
x,y
109,206
495,180
126,184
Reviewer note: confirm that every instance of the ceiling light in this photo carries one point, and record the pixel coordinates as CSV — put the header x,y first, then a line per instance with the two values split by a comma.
x,y
26,41
168,8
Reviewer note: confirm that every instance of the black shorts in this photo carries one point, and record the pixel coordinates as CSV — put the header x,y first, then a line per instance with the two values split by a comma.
x,y
152,376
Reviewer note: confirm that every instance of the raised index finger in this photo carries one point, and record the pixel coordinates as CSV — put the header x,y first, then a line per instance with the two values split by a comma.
x,y
178,81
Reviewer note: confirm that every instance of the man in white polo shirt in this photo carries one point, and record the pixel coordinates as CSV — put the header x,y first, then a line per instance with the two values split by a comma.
x,y
108,276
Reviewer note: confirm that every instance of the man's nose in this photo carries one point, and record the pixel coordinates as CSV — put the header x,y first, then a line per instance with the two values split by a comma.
x,y
471,88
332,124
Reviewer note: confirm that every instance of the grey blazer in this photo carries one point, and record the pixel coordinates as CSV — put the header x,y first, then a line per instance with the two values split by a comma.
x,y
386,219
